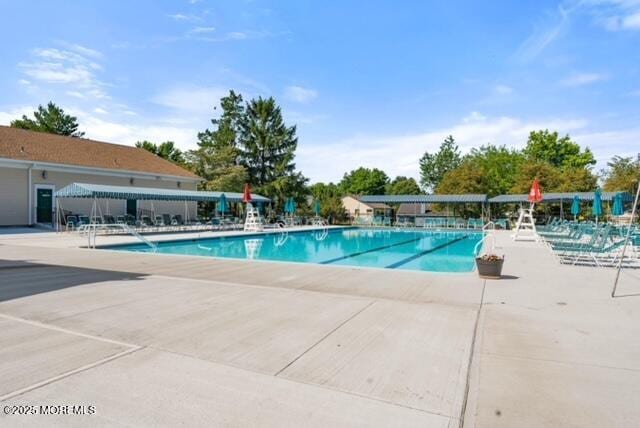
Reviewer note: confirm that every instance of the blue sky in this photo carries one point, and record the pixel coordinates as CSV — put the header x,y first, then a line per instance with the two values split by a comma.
x,y
373,83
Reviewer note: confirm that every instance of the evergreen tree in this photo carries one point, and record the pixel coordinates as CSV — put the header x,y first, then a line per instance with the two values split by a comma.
x,y
267,145
51,119
217,158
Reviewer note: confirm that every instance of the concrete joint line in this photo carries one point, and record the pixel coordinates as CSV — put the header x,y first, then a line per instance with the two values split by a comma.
x,y
68,373
64,330
471,355
324,337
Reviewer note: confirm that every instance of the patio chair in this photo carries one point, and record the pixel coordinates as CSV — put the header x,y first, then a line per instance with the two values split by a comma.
x,y
71,222
177,221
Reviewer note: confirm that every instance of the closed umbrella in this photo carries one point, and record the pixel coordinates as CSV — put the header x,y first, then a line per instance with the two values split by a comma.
x,y
618,209
222,204
597,205
535,194
316,208
575,207
287,206
246,196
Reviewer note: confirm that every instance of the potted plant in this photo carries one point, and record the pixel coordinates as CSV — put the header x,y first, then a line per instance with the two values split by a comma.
x,y
489,266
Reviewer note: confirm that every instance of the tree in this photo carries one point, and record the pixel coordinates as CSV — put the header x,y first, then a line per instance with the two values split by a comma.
x,y
561,152
166,150
434,166
330,197
51,119
489,169
623,174
217,158
364,181
403,186
267,145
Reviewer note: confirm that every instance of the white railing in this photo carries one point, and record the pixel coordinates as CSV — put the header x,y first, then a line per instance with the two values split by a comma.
x,y
92,229
489,227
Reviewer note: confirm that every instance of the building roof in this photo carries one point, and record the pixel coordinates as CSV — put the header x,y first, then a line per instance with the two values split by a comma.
x,y
557,197
84,190
418,199
23,145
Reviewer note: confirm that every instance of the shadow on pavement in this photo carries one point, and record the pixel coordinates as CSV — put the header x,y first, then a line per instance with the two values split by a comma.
x,y
23,278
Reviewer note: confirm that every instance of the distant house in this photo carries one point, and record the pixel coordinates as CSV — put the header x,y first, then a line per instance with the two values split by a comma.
x,y
355,208
411,212
33,165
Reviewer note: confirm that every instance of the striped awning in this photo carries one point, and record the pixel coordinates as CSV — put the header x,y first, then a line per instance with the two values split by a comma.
x,y
101,191
424,199
557,197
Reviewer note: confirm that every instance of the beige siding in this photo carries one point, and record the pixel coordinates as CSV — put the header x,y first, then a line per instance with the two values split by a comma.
x,y
115,207
14,199
355,208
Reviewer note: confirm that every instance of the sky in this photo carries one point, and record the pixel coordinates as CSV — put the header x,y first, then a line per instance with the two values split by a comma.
x,y
367,83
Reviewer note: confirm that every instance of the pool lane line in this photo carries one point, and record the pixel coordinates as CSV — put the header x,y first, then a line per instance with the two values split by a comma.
x,y
372,250
423,253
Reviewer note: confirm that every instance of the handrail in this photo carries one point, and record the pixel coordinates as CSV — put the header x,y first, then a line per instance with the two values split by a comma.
x,y
93,227
493,243
489,223
485,230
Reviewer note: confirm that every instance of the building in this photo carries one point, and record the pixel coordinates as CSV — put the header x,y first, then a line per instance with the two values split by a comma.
x,y
356,208
33,165
414,212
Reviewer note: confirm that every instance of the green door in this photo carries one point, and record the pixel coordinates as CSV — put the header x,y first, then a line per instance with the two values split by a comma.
x,y
132,207
45,205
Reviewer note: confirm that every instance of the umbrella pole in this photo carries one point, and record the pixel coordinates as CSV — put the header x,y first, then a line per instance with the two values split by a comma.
x,y
626,241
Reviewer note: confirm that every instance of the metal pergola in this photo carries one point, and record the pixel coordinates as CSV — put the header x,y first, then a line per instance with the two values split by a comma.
x,y
102,191
471,198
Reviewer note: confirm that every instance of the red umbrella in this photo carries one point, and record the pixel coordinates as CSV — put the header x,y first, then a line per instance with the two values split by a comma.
x,y
247,193
535,194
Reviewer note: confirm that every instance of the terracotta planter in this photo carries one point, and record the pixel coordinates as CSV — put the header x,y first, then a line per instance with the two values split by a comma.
x,y
489,269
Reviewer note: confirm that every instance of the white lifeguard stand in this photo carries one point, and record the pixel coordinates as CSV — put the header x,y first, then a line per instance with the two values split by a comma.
x,y
253,221
526,226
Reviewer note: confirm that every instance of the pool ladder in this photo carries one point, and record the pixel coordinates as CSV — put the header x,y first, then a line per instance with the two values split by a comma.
x,y
490,226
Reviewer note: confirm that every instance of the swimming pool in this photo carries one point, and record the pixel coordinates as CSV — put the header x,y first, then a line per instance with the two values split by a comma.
x,y
435,251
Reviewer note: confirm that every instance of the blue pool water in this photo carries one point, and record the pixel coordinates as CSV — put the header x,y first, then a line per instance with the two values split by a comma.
x,y
435,251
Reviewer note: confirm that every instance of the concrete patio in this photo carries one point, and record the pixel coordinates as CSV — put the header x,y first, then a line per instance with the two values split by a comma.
x,y
155,340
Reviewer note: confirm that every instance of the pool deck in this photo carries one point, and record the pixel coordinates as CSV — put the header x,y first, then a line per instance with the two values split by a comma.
x,y
154,340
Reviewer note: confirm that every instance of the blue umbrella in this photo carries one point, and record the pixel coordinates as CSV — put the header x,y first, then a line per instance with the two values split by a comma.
x,y
597,205
222,204
316,208
287,206
618,209
575,207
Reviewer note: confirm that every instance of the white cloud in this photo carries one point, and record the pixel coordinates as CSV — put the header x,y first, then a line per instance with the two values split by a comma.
x,y
74,68
399,154
15,113
184,17
100,110
300,94
202,30
126,133
580,79
615,15
502,89
544,35
194,99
